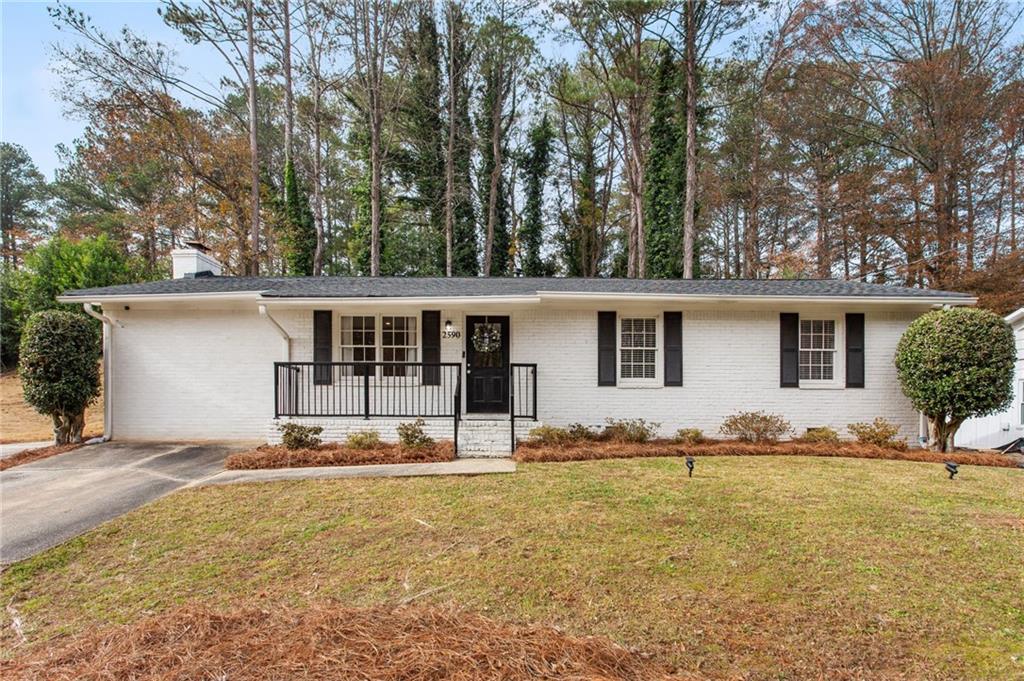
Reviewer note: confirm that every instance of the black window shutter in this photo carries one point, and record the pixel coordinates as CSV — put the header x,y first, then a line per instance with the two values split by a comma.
x,y
322,342
789,344
606,348
431,326
673,348
854,350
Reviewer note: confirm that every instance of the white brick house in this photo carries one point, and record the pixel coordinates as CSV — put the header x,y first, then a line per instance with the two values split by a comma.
x,y
203,356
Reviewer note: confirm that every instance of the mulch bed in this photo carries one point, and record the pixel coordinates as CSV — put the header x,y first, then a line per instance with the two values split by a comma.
x,y
329,642
334,454
30,455
587,450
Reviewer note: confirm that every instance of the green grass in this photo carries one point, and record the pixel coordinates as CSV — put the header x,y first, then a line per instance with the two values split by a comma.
x,y
766,567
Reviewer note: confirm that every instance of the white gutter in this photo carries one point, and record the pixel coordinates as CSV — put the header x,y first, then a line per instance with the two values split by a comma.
x,y
719,298
280,330
108,380
162,297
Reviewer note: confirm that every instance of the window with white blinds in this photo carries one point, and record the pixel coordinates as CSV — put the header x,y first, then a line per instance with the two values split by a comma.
x,y
638,348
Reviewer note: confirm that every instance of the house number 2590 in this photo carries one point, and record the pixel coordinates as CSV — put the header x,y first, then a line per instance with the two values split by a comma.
x,y
451,334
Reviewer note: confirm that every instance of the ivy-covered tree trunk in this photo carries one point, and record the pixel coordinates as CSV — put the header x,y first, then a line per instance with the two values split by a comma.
x,y
535,171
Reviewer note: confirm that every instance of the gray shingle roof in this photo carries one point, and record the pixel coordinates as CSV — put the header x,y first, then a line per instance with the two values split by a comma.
x,y
441,287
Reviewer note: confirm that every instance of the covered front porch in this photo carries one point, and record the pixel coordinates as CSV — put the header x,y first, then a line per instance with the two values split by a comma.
x,y
351,368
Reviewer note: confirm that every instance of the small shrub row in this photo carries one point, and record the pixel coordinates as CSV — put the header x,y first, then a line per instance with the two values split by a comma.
x,y
616,430
749,426
296,436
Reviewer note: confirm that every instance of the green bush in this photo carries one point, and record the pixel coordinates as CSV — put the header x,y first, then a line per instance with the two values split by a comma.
x,y
59,369
629,430
820,434
755,426
298,436
956,364
412,436
367,439
879,432
689,436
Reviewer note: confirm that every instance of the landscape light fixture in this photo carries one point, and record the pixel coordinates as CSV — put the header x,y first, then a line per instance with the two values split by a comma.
x,y
952,469
689,465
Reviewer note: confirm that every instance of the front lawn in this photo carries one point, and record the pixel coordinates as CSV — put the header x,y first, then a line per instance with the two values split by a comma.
x,y
761,567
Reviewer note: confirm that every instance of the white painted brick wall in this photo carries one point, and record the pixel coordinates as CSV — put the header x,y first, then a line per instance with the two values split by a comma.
x,y
193,374
208,373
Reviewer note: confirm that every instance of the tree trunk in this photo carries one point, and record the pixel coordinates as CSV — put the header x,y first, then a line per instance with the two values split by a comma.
x,y
375,182
690,200
67,428
318,204
449,161
492,197
941,432
286,62
822,248
254,160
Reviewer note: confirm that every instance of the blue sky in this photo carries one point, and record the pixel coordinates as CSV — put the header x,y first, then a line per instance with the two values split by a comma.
x,y
32,114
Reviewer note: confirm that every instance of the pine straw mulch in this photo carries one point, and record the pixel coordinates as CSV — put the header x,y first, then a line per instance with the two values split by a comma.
x,y
30,455
329,642
335,454
587,450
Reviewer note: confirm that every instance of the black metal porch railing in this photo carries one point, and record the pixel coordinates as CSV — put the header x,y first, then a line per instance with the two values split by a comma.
x,y
522,395
368,390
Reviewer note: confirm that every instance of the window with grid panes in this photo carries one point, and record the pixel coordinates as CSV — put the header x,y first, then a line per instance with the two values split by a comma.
x,y
638,348
817,349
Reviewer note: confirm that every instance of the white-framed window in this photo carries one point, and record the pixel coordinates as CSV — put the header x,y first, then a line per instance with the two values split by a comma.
x,y
399,342
638,349
380,338
817,349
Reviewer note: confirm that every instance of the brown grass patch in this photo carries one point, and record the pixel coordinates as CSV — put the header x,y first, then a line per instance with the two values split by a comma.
x,y
21,423
36,454
330,642
591,450
335,454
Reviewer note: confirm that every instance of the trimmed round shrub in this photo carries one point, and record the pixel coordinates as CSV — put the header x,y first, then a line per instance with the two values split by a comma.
x,y
59,369
955,364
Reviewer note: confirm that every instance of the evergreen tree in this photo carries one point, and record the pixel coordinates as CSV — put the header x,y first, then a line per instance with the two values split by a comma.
x,y
423,115
665,175
534,171
297,226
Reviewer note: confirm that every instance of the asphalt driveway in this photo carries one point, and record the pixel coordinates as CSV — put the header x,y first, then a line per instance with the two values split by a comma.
x,y
50,501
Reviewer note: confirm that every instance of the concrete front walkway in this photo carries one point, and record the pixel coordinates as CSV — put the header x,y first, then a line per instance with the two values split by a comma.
x,y
392,470
13,448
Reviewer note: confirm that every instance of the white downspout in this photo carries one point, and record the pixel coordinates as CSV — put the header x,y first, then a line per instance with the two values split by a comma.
x,y
265,313
108,377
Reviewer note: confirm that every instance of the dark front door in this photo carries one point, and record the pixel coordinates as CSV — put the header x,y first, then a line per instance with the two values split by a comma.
x,y
487,359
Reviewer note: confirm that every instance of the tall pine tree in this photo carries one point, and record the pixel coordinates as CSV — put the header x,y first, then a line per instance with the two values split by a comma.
x,y
534,171
666,178
491,124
